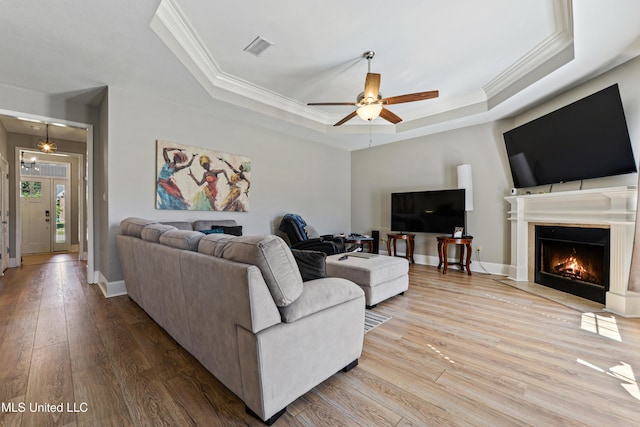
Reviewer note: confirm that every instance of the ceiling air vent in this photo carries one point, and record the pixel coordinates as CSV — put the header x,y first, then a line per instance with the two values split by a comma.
x,y
257,46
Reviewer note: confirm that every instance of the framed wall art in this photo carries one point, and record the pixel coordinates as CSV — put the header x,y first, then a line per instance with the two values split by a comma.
x,y
199,179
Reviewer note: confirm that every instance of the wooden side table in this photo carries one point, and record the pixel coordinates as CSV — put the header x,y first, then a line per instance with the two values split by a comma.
x,y
408,238
465,242
361,240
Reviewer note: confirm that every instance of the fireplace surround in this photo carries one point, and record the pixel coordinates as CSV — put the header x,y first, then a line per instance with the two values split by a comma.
x,y
613,209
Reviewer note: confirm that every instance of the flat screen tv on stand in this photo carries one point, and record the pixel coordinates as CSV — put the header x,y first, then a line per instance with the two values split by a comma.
x,y
438,211
583,140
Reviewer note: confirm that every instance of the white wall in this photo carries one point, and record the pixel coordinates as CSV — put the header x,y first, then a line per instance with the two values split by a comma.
x,y
429,163
288,174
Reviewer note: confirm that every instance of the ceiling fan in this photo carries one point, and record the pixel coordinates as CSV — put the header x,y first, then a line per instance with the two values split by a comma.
x,y
371,104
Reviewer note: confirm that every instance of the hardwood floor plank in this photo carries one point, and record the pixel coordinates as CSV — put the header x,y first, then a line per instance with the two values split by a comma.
x,y
458,351
355,404
50,387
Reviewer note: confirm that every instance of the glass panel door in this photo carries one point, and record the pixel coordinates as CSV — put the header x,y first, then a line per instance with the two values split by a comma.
x,y
61,236
62,220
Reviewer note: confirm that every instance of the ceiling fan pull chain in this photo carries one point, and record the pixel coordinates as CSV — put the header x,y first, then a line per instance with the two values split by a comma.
x,y
370,138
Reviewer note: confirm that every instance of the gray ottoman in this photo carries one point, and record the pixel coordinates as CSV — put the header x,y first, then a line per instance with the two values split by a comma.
x,y
380,276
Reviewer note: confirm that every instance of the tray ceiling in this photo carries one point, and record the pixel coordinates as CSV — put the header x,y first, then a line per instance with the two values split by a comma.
x,y
488,59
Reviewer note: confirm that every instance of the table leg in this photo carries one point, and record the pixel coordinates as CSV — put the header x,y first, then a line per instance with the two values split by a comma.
x,y
370,246
444,255
395,247
389,245
439,254
469,252
411,244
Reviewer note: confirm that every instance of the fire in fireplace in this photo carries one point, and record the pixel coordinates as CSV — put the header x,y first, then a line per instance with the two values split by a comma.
x,y
573,260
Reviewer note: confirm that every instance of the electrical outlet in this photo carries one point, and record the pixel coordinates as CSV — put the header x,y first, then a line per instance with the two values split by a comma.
x,y
478,248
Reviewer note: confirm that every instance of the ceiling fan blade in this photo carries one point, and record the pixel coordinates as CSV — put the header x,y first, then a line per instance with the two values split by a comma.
x,y
347,118
389,116
372,86
411,97
332,103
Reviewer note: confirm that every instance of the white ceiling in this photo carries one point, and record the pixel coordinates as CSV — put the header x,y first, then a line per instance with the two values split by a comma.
x,y
488,59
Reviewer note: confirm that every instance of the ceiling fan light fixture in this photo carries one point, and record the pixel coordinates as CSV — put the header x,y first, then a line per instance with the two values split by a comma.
x,y
369,112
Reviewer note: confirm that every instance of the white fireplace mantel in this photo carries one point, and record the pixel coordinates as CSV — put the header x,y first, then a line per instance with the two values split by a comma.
x,y
613,208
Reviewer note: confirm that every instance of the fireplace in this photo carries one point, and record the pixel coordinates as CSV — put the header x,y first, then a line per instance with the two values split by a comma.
x,y
573,260
612,208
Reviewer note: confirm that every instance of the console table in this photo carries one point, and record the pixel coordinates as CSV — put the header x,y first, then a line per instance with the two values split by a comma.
x,y
464,242
408,238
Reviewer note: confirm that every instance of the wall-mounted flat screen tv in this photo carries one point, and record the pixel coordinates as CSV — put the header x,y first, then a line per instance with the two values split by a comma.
x,y
439,211
583,140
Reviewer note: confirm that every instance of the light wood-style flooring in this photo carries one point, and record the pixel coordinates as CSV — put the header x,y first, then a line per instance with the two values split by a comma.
x,y
459,351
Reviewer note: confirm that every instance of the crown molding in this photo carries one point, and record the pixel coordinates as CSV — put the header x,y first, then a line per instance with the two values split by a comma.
x,y
546,57
172,25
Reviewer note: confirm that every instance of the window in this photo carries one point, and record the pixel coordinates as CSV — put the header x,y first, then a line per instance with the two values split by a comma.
x,y
31,189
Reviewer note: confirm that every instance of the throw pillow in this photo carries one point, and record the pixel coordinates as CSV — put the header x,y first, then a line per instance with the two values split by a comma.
x,y
312,264
311,232
235,230
213,231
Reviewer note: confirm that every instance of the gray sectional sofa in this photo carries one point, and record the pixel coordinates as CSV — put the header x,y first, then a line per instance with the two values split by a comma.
x,y
239,305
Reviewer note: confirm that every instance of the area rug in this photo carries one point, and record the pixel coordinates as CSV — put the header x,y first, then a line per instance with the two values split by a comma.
x,y
373,319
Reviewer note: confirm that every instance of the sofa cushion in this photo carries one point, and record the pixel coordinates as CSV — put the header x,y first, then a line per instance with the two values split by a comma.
x,y
133,226
182,239
311,232
320,295
311,264
152,232
269,253
180,225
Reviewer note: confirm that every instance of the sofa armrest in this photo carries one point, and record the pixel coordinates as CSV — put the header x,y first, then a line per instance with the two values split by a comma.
x,y
320,294
326,246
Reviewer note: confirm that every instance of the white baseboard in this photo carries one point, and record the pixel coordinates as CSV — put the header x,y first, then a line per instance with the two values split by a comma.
x,y
476,266
111,289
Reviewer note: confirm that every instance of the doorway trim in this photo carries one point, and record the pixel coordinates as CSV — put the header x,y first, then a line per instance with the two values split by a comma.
x,y
65,159
87,167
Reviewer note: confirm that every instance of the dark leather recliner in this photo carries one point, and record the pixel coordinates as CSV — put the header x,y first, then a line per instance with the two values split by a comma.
x,y
294,227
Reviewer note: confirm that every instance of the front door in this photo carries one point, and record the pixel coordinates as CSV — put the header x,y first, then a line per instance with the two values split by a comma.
x,y
36,215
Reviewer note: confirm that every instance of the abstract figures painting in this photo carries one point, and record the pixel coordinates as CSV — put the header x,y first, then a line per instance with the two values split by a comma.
x,y
192,178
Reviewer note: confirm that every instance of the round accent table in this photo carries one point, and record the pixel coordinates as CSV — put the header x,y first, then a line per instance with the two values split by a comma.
x,y
408,238
465,242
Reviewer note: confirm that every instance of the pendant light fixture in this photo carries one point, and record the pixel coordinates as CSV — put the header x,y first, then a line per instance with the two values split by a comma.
x,y
27,165
46,145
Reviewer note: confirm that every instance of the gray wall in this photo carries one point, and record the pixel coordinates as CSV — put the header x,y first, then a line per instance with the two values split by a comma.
x,y
429,163
288,174
3,141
